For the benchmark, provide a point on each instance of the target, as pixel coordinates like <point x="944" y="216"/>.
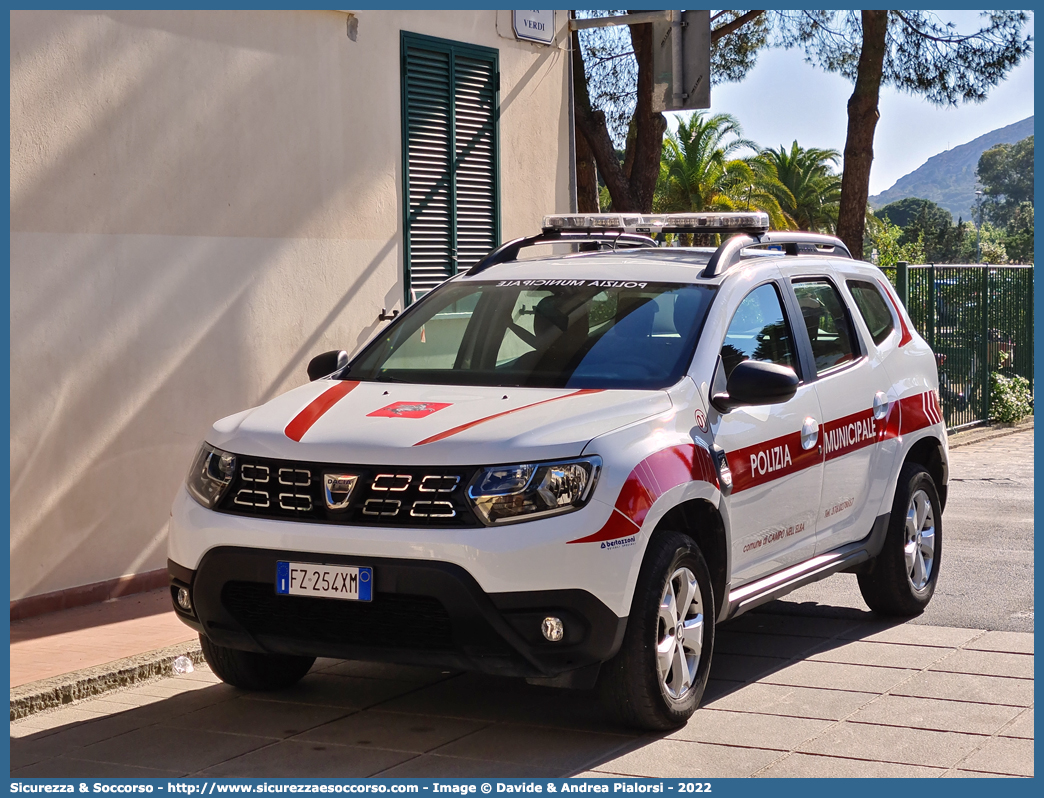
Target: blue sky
<point x="783" y="99"/>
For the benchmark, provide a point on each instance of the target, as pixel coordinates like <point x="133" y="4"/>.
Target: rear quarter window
<point x="873" y="308"/>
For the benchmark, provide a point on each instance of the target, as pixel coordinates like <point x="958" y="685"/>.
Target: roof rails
<point x="635" y="230"/>
<point x="793" y="243"/>
<point x="509" y="251"/>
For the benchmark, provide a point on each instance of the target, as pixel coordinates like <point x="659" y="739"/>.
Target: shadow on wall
<point x="172" y="261"/>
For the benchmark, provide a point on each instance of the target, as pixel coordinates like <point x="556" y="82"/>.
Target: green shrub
<point x="1009" y="398"/>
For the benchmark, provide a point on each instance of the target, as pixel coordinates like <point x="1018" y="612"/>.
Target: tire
<point x="902" y="578"/>
<point x="648" y="689"/>
<point x="252" y="671"/>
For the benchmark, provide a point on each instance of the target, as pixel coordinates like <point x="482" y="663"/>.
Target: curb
<point x="28" y="699"/>
<point x="979" y="434"/>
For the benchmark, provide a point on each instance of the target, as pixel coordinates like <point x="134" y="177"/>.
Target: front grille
<point x="391" y="620"/>
<point x="408" y="496"/>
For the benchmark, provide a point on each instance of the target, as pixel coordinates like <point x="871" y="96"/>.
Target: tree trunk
<point x="586" y="177"/>
<point x="649" y="125"/>
<point x="862" y="121"/>
<point x="592" y="127"/>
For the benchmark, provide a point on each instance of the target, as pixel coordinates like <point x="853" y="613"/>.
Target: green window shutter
<point x="449" y="101"/>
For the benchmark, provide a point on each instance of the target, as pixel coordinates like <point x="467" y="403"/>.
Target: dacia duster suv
<point x="572" y="468"/>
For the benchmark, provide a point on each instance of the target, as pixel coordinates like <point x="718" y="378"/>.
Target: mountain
<point x="948" y="178"/>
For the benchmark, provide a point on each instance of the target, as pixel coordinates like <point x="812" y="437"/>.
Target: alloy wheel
<point x="679" y="634"/>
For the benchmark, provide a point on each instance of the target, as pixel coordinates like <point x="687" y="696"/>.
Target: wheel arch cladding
<point x="699" y="520"/>
<point x="928" y="452"/>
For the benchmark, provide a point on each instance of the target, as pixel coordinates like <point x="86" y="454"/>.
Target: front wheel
<point x="659" y="675"/>
<point x="903" y="576"/>
<point x="252" y="671"/>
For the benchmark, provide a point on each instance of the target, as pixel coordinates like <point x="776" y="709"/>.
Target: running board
<point x="782" y="582"/>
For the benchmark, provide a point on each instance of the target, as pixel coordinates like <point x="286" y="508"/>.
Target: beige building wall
<point x="200" y="202"/>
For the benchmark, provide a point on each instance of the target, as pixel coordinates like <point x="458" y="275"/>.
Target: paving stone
<point x="735" y="668"/>
<point x="681" y="759"/>
<point x="802" y="626"/>
<point x="987" y="663"/>
<point x="339" y="691"/>
<point x="1011" y="642"/>
<point x="839" y="676"/>
<point x="886" y="744"/>
<point x="67" y="739"/>
<point x="1022" y="727"/>
<point x="969" y="687"/>
<point x="559" y="749"/>
<point x="400" y="732"/>
<point x="170" y="748"/>
<point x="430" y="766"/>
<point x="292" y="758"/>
<point x="277" y="719"/>
<point x="491" y="698"/>
<point x="936" y="714"/>
<point x="800" y="702"/>
<point x="1002" y="755"/>
<point x="885" y="655"/>
<point x="69" y="768"/>
<point x="746" y="729"/>
<point x="913" y="634"/>
<point x="813" y="766"/>
<point x="762" y="645"/>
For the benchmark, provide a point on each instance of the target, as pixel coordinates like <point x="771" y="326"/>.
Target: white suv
<point x="571" y="468"/>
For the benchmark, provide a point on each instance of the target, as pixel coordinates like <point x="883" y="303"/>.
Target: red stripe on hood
<point x="304" y="420"/>
<point x="443" y="435"/>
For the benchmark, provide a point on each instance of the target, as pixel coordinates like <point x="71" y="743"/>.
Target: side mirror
<point x="327" y="363"/>
<point x="754" y="382"/>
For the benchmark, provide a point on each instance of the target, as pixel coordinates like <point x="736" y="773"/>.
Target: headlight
<point x="502" y="494"/>
<point x="210" y="475"/>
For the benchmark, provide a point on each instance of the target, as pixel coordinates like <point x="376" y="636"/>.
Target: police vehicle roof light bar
<point x="750" y="223"/>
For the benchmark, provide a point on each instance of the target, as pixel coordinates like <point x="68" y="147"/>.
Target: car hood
<point x="343" y="421"/>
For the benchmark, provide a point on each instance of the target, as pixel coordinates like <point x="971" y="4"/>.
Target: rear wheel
<point x="903" y="576"/>
<point x="659" y="675"/>
<point x="253" y="671"/>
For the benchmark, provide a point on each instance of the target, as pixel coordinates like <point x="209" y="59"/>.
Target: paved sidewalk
<point x="789" y="696"/>
<point x="83" y="637"/>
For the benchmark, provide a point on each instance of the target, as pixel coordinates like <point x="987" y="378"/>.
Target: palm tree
<point x="700" y="170"/>
<point x="813" y="189"/>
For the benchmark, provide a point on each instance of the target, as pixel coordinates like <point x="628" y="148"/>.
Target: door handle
<point x="880" y="406"/>
<point x="809" y="433"/>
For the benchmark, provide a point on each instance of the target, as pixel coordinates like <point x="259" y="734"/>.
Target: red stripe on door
<point x="774" y="459"/>
<point x="443" y="435"/>
<point x="850" y="434"/>
<point x="304" y="420"/>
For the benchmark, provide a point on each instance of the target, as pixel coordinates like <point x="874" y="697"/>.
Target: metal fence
<point x="978" y="319"/>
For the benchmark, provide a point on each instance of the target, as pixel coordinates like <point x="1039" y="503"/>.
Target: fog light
<point x="552" y="628"/>
<point x="183" y="599"/>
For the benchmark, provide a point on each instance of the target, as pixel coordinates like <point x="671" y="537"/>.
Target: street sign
<point x="695" y="63"/>
<point x="534" y="26"/>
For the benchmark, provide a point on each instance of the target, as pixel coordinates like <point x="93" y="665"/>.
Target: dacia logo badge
<point x="338" y="489"/>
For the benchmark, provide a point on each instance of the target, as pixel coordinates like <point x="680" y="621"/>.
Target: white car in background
<point x="571" y="468"/>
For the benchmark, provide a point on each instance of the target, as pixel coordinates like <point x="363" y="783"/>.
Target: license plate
<point x="353" y="583"/>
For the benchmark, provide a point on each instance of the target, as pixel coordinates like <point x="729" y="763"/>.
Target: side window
<point x="873" y="308"/>
<point x="829" y="329"/>
<point x="758" y="331"/>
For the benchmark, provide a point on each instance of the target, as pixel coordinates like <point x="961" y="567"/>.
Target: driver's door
<point x="777" y="471"/>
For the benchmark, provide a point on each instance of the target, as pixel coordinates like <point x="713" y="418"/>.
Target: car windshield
<point x="542" y="333"/>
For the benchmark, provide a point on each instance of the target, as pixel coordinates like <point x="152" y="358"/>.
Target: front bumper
<point x="423" y="613"/>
